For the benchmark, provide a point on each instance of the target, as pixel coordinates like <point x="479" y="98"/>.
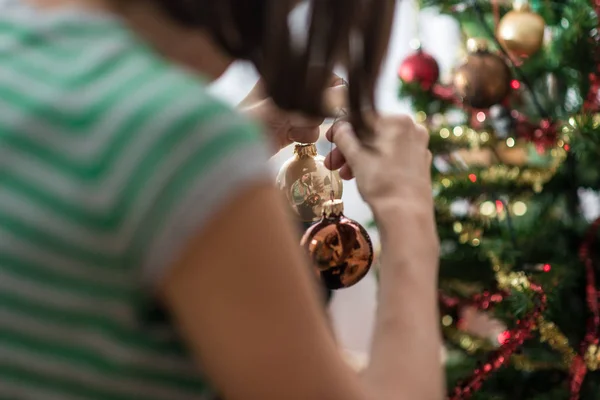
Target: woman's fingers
<point x="343" y="136"/>
<point x="346" y="172"/>
<point x="335" y="160"/>
<point x="347" y="150"/>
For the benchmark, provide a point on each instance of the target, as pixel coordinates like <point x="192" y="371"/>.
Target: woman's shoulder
<point x="88" y="68"/>
<point x="136" y="143"/>
<point x="93" y="78"/>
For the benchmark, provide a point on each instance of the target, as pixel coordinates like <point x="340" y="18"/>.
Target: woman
<point x="124" y="184"/>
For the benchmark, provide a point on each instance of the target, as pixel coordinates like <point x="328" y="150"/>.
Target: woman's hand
<point x="395" y="166"/>
<point x="392" y="170"/>
<point x="284" y="128"/>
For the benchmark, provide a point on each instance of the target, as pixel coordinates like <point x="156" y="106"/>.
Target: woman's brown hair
<point x="354" y="33"/>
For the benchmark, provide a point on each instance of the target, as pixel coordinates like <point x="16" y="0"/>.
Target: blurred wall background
<point x="352" y="309"/>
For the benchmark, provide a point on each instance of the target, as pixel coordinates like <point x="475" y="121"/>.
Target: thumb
<point x="255" y="95"/>
<point x="346" y="141"/>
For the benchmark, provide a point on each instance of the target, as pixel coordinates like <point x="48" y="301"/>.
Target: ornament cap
<point x="302" y="150"/>
<point x="521" y="5"/>
<point x="477" y="45"/>
<point x="333" y="208"/>
<point x="415" y="44"/>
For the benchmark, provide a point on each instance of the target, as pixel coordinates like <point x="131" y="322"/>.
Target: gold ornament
<point x="484" y="79"/>
<point x="521" y="31"/>
<point x="307" y="183"/>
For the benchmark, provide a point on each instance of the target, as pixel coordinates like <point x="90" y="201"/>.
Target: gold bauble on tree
<point x="521" y="31"/>
<point x="306" y="183"/>
<point x="484" y="79"/>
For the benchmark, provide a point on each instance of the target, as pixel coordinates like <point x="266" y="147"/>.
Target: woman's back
<point x="106" y="152"/>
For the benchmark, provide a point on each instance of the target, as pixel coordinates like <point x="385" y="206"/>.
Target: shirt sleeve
<point x="210" y="155"/>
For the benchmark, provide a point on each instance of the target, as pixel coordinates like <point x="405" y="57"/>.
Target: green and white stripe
<point x="110" y="159"/>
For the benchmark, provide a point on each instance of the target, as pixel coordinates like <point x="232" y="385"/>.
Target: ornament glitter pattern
<point x="306" y="183"/>
<point x="339" y="248"/>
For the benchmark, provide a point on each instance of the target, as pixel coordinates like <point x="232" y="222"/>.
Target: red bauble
<point x="421" y="68"/>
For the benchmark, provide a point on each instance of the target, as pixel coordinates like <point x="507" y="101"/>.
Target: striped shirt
<point x="110" y="159"/>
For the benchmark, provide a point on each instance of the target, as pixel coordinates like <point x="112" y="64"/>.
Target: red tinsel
<point x="592" y="335"/>
<point x="592" y="100"/>
<point x="543" y="134"/>
<point x="514" y="339"/>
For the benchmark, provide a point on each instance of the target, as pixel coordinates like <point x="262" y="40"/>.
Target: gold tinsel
<point x="552" y="335"/>
<point x="592" y="358"/>
<point x="483" y="212"/>
<point x="469" y="343"/>
<point x="526" y="176"/>
<point x="523" y="363"/>
<point x="464" y="136"/>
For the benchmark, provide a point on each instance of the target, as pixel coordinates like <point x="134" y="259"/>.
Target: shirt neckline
<point x="29" y="13"/>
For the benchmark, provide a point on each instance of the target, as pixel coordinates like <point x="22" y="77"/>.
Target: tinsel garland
<point x="588" y="357"/>
<point x="514" y="338"/>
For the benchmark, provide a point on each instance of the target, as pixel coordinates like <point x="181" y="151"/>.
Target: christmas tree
<point x="516" y="139"/>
